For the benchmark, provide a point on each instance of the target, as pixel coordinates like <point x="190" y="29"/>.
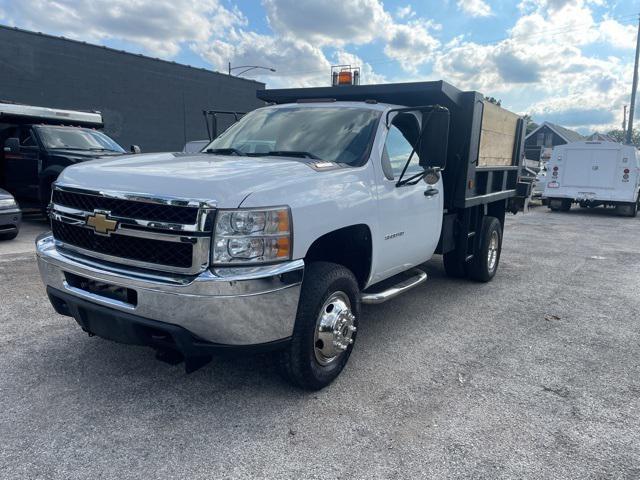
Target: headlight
<point x="252" y="236"/>
<point x="8" y="203"/>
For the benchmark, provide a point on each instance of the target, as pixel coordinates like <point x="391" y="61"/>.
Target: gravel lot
<point x="535" y="375"/>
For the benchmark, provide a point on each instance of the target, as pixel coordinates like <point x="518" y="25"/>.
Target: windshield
<point x="77" y="139"/>
<point x="335" y="134"/>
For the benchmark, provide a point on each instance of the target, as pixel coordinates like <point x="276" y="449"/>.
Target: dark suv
<point x="33" y="156"/>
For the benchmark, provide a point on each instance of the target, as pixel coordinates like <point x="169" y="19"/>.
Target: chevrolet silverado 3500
<point x="273" y="237"/>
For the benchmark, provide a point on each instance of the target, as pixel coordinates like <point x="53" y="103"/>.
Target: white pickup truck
<point x="274" y="236"/>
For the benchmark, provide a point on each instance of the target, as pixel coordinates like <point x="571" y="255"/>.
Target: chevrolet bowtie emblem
<point x="101" y="223"/>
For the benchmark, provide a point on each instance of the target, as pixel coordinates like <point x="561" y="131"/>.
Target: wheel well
<point x="498" y="210"/>
<point x="348" y="246"/>
<point x="46" y="179"/>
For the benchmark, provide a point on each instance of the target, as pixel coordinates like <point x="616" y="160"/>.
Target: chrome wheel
<point x="335" y="328"/>
<point x="492" y="254"/>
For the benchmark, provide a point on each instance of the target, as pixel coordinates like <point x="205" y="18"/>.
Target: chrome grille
<point x="126" y="208"/>
<point x="158" y="252"/>
<point x="166" y="234"/>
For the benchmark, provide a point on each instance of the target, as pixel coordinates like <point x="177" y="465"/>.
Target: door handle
<point x="430" y="192"/>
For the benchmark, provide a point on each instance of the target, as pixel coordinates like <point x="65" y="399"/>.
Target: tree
<point x="529" y="123"/>
<point x="620" y="136"/>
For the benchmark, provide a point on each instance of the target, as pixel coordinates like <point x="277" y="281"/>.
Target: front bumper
<point x="10" y="220"/>
<point x="229" y="306"/>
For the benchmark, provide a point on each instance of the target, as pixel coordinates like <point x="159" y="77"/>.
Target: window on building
<point x="548" y="139"/>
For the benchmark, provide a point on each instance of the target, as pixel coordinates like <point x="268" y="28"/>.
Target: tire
<point x="454" y="267"/>
<point x="310" y="361"/>
<point x="9" y="236"/>
<point x="555" y="205"/>
<point x="485" y="261"/>
<point x="566" y="205"/>
<point x="628" y="210"/>
<point x="560" y="204"/>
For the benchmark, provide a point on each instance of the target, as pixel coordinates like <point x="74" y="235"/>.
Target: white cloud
<point x="411" y="44"/>
<point x="618" y="35"/>
<point x="297" y="62"/>
<point x="475" y="8"/>
<point x="542" y="67"/>
<point x="405" y="12"/>
<point x="159" y="26"/>
<point x="341" y="22"/>
<point x="329" y="22"/>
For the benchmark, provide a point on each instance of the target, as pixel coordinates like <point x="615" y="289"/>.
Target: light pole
<point x="248" y="68"/>
<point x="634" y="87"/>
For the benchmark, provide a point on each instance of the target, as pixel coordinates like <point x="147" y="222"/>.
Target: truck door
<point x="22" y="168"/>
<point x="410" y="216"/>
<point x="604" y="163"/>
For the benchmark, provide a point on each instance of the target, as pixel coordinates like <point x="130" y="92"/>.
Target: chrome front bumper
<point x="229" y="306"/>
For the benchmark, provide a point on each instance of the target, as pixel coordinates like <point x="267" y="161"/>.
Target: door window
<point x="26" y="138"/>
<point x="403" y="135"/>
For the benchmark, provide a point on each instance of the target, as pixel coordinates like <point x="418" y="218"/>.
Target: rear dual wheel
<point x="325" y="328"/>
<point x="560" y="204"/>
<point x="484" y="264"/>
<point x="629" y="210"/>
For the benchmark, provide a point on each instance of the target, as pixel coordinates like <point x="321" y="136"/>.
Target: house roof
<point x="600" y="137"/>
<point x="564" y="133"/>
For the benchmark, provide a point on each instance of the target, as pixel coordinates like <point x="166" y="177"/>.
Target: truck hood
<point x="228" y="180"/>
<point x="80" y="155"/>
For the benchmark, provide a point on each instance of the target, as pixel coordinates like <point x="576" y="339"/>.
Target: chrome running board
<point x="418" y="278"/>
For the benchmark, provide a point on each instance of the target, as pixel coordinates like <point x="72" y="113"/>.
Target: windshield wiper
<point x="291" y="153"/>
<point x="70" y="148"/>
<point x="225" y="151"/>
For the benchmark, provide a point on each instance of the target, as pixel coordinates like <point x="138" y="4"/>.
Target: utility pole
<point x="632" y="107"/>
<point x="624" y="121"/>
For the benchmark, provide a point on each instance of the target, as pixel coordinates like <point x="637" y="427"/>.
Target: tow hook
<point x="191" y="363"/>
<point x="89" y="332"/>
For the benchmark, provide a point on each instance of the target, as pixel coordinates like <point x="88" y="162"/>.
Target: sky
<point x="564" y="61"/>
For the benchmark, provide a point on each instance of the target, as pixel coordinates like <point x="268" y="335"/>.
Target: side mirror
<point x="12" y="145"/>
<point x="435" y="138"/>
<point x="135" y="149"/>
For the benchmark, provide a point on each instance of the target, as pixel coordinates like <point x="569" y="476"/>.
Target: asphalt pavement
<point x="534" y="375"/>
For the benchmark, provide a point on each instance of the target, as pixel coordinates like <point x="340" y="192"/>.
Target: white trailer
<point x="593" y="174"/>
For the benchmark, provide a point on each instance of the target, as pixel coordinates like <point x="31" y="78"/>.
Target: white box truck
<point x="593" y="174"/>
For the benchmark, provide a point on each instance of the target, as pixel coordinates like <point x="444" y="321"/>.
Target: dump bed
<point x="485" y="144"/>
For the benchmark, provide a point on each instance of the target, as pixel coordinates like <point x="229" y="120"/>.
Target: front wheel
<point x="9" y="236"/>
<point x="325" y="328"/>
<point x="484" y="264"/>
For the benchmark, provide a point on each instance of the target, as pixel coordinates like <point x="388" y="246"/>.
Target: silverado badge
<point x="101" y="223"/>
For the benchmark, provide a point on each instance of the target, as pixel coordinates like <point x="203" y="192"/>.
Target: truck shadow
<point x="589" y="212"/>
<point x="88" y="367"/>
